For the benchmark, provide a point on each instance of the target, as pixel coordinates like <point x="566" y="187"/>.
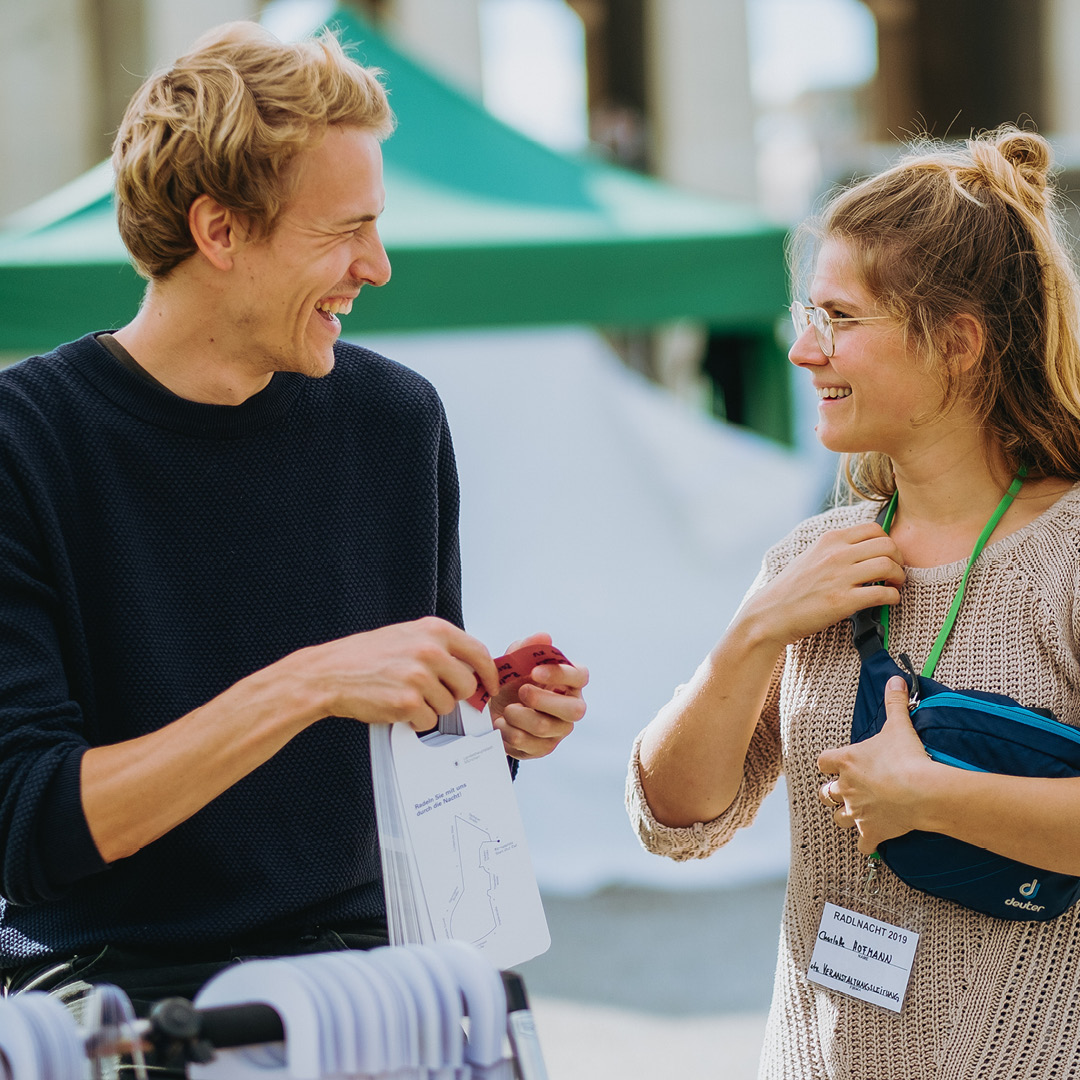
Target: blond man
<point x="232" y="545"/>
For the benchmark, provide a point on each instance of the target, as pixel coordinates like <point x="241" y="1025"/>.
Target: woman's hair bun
<point x="1027" y="152"/>
<point x="975" y="229"/>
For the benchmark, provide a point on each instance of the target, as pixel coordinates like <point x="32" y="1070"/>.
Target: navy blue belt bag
<point x="966" y="729"/>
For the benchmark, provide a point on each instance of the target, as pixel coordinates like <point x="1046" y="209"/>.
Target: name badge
<point x="863" y="957"/>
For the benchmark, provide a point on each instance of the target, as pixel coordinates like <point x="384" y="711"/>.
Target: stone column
<point x="1062" y="32"/>
<point x="700" y="121"/>
<point x="171" y="27"/>
<point x="701" y="114"/>
<point x="443" y="34"/>
<point x="48" y="105"/>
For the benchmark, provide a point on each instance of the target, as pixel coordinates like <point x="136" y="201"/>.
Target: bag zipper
<point x="947" y="759"/>
<point x="952" y="700"/>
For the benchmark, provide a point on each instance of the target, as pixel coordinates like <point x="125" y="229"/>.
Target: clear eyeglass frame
<point x="804" y="315"/>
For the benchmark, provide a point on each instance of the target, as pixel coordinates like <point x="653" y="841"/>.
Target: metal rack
<point x="272" y="1038"/>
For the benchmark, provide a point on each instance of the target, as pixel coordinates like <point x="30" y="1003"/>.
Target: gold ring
<point x="828" y="795"/>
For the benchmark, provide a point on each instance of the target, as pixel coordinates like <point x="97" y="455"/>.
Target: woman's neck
<point x="941" y="511"/>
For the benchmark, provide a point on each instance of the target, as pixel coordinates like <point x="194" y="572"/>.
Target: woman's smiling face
<point x="874" y="393"/>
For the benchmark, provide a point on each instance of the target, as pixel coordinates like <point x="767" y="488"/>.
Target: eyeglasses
<point x="803" y="315"/>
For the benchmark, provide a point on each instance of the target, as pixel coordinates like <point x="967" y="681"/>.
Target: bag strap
<point x="871" y="627"/>
<point x="885" y="520"/>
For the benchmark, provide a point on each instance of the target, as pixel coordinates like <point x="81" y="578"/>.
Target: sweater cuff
<point x="697" y="841"/>
<point x="67" y="850"/>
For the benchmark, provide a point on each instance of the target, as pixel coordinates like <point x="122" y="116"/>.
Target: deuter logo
<point x="1027" y="890"/>
<point x="1025" y="905"/>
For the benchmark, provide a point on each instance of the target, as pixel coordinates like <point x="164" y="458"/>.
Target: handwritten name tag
<point x="863" y="957"/>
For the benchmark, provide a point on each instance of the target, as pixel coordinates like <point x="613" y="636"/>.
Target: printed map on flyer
<point x="468" y="843"/>
<point x="454" y="858"/>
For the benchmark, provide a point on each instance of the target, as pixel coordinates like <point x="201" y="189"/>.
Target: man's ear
<point x="217" y="232"/>
<point x="966" y="341"/>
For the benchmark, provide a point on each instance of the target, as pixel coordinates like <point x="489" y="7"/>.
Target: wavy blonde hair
<point x="227" y="120"/>
<point x="973" y="230"/>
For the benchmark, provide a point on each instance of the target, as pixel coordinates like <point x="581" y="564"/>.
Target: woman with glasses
<point x="939" y="332"/>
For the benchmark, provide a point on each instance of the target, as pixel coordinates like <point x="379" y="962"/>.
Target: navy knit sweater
<point x="154" y="551"/>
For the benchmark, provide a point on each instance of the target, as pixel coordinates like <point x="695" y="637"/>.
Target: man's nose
<point x="373" y="267"/>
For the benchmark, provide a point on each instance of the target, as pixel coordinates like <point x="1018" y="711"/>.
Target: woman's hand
<point x="844" y="571"/>
<point x="888" y="785"/>
<point x="880" y="783"/>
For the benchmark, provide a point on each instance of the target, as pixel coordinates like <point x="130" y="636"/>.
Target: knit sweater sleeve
<point x="44" y="838"/>
<point x="761" y="770"/>
<point x="764" y="756"/>
<point x="448" y="602"/>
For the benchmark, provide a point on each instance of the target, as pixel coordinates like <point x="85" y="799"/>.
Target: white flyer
<point x="467" y="841"/>
<point x="863" y="957"/>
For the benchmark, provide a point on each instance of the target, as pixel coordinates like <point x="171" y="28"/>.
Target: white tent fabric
<point x="597" y="507"/>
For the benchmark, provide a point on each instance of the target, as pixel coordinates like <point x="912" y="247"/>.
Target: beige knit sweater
<point x="988" y="998"/>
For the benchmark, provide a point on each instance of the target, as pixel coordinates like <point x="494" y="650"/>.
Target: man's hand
<point x="881" y="782"/>
<point x="535" y="716"/>
<point x="136" y="791"/>
<point x="409" y="673"/>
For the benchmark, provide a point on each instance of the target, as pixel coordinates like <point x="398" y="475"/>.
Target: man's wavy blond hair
<point x="974" y="230"/>
<point x="227" y="120"/>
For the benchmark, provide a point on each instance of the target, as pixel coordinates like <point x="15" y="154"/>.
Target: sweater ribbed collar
<point x="151" y="402"/>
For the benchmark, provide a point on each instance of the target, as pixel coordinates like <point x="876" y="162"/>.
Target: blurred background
<point x="588" y="202"/>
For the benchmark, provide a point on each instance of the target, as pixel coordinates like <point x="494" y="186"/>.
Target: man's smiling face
<point x="324" y="248"/>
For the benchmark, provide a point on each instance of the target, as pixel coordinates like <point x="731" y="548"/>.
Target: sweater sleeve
<point x="449" y="596"/>
<point x="761" y="770"/>
<point x="449" y="599"/>
<point x="44" y="838"/>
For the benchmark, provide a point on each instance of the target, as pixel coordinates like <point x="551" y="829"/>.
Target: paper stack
<point x="454" y="857"/>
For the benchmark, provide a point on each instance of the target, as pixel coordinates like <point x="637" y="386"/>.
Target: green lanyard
<point x="946" y="629"/>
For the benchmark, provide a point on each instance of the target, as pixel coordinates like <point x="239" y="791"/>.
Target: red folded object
<point x="517" y="667"/>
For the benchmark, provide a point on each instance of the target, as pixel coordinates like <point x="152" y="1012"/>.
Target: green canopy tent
<point x="483" y="227"/>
